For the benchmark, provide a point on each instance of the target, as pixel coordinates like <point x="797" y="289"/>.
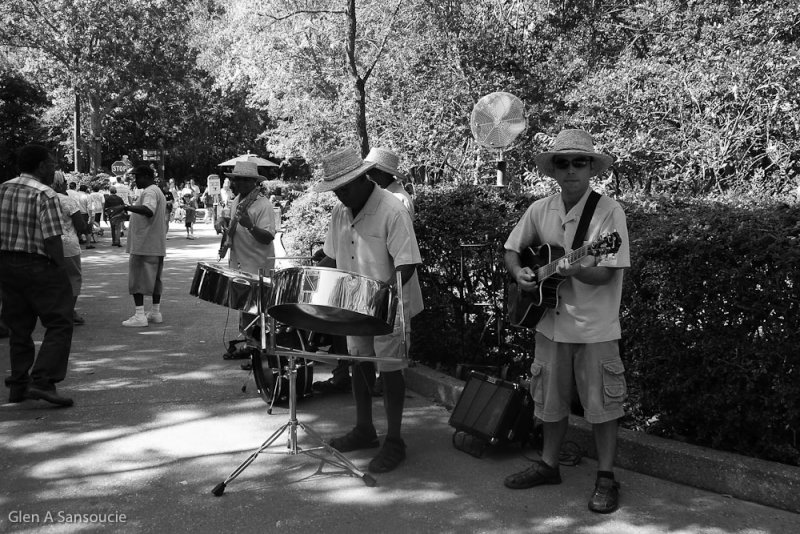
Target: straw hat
<point x="573" y="143"/>
<point x="385" y="160"/>
<point x="245" y="169"/>
<point x="340" y="168"/>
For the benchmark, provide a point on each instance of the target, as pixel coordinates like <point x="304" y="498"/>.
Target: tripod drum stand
<point x="319" y="449"/>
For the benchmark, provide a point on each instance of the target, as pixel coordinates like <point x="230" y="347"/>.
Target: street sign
<point x="119" y="167"/>
<point x="149" y="154"/>
<point x="213" y="185"/>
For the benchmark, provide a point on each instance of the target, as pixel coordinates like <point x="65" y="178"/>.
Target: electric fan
<point x="496" y="121"/>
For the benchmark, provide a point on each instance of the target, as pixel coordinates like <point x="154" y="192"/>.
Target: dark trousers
<point x="34" y="288"/>
<point x="116" y="230"/>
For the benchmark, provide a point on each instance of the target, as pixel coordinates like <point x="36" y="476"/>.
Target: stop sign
<point x="119" y="167"/>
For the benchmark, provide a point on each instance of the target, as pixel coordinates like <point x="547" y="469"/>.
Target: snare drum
<point x="237" y="290"/>
<point x="333" y="301"/>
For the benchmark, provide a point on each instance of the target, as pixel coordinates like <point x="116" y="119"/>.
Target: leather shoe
<point x="605" y="498"/>
<point x="17" y="394"/>
<point x="332" y="386"/>
<point x="47" y="395"/>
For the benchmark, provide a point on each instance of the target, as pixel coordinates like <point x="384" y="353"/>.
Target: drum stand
<point x="292" y="425"/>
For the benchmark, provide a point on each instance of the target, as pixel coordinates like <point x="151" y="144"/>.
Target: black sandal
<point x="354" y="440"/>
<point x="392" y="454"/>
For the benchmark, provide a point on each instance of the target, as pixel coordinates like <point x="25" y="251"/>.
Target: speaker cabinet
<point x="494" y="410"/>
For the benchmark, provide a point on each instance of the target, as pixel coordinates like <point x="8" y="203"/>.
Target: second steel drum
<point x="332" y="301"/>
<point x="237" y="290"/>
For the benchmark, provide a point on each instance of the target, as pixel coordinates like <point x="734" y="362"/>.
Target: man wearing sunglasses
<point x="578" y="339"/>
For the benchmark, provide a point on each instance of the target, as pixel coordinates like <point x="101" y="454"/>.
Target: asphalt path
<point x="160" y="419"/>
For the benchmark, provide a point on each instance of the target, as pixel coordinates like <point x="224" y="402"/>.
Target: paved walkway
<point x="160" y="419"/>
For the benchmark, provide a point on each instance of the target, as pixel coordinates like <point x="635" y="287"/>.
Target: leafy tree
<point x="104" y="51"/>
<point x="21" y="105"/>
<point x="309" y="63"/>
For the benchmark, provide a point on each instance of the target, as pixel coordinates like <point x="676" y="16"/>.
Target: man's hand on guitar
<point x="526" y="279"/>
<point x="565" y="269"/>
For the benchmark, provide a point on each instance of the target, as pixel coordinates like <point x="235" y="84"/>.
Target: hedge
<point x="709" y="313"/>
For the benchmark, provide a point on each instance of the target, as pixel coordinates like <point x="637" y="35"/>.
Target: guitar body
<point x="526" y="309"/>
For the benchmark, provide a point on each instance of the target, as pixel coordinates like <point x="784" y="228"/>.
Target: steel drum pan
<point x="332" y="301"/>
<point x="237" y="290"/>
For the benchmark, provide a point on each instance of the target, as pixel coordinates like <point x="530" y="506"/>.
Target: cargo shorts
<point x="599" y="376"/>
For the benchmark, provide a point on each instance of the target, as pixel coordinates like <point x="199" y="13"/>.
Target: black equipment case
<point x="494" y="410"/>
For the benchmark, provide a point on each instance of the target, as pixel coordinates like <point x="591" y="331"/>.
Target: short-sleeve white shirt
<point x="380" y="238"/>
<point x="246" y="253"/>
<point x="585" y="313"/>
<point x="69" y="239"/>
<point x="397" y="189"/>
<point x="148" y="235"/>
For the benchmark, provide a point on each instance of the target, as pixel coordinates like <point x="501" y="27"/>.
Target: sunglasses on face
<point x="577" y="163"/>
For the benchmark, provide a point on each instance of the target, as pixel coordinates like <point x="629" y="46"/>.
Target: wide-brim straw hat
<point x="340" y="168"/>
<point x="385" y="160"/>
<point x="245" y="169"/>
<point x="573" y="143"/>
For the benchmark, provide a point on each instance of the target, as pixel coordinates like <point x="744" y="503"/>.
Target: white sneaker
<point x="154" y="317"/>
<point x="135" y="321"/>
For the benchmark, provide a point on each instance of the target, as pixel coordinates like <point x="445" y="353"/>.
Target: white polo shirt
<point x="585" y="313"/>
<point x="375" y="242"/>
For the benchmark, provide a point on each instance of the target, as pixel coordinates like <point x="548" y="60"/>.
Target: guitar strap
<point x="586" y="216"/>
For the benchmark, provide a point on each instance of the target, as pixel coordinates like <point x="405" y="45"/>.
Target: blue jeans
<point x="35" y="288"/>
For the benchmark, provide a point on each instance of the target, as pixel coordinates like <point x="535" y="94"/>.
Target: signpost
<point x="213" y="185"/>
<point x="119" y="167"/>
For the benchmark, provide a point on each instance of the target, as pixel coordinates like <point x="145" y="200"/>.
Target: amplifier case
<point x="495" y="410"/>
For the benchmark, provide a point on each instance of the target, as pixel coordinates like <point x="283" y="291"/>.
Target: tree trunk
<point x="96" y="115"/>
<point x="76" y="140"/>
<point x="360" y="94"/>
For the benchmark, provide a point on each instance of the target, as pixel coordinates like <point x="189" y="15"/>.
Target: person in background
<point x="97" y="202"/>
<point x="579" y="339"/>
<point x="387" y="175"/>
<point x="74" y="224"/>
<point x="176" y="195"/>
<point x="189" y="204"/>
<point x="34" y="279"/>
<point x="147" y="246"/>
<point x="85" y="202"/>
<point x="249" y="236"/>
<point x="226" y="196"/>
<point x="211" y="202"/>
<point x="116" y="217"/>
<point x="123" y="190"/>
<point x="170" y="201"/>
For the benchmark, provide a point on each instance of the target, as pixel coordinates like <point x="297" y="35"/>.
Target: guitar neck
<point x="546" y="271"/>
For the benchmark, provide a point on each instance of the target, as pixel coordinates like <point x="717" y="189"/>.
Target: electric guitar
<point x="527" y="308"/>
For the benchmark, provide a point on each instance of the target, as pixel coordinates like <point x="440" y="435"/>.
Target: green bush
<point x="711" y="324"/>
<point x="710" y="314"/>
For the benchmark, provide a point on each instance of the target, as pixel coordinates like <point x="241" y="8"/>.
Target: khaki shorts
<point x="599" y="376"/>
<point x="144" y="274"/>
<point x="388" y="346"/>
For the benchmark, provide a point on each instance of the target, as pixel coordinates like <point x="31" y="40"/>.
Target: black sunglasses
<point x="577" y="163"/>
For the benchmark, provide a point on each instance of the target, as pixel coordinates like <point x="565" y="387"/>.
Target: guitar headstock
<point x="608" y="243"/>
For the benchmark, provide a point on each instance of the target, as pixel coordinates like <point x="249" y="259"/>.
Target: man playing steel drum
<point x="371" y="234"/>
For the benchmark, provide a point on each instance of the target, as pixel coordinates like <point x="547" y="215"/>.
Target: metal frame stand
<point x="292" y="425"/>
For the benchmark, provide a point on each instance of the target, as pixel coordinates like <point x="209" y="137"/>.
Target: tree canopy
<point x="691" y="96"/>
